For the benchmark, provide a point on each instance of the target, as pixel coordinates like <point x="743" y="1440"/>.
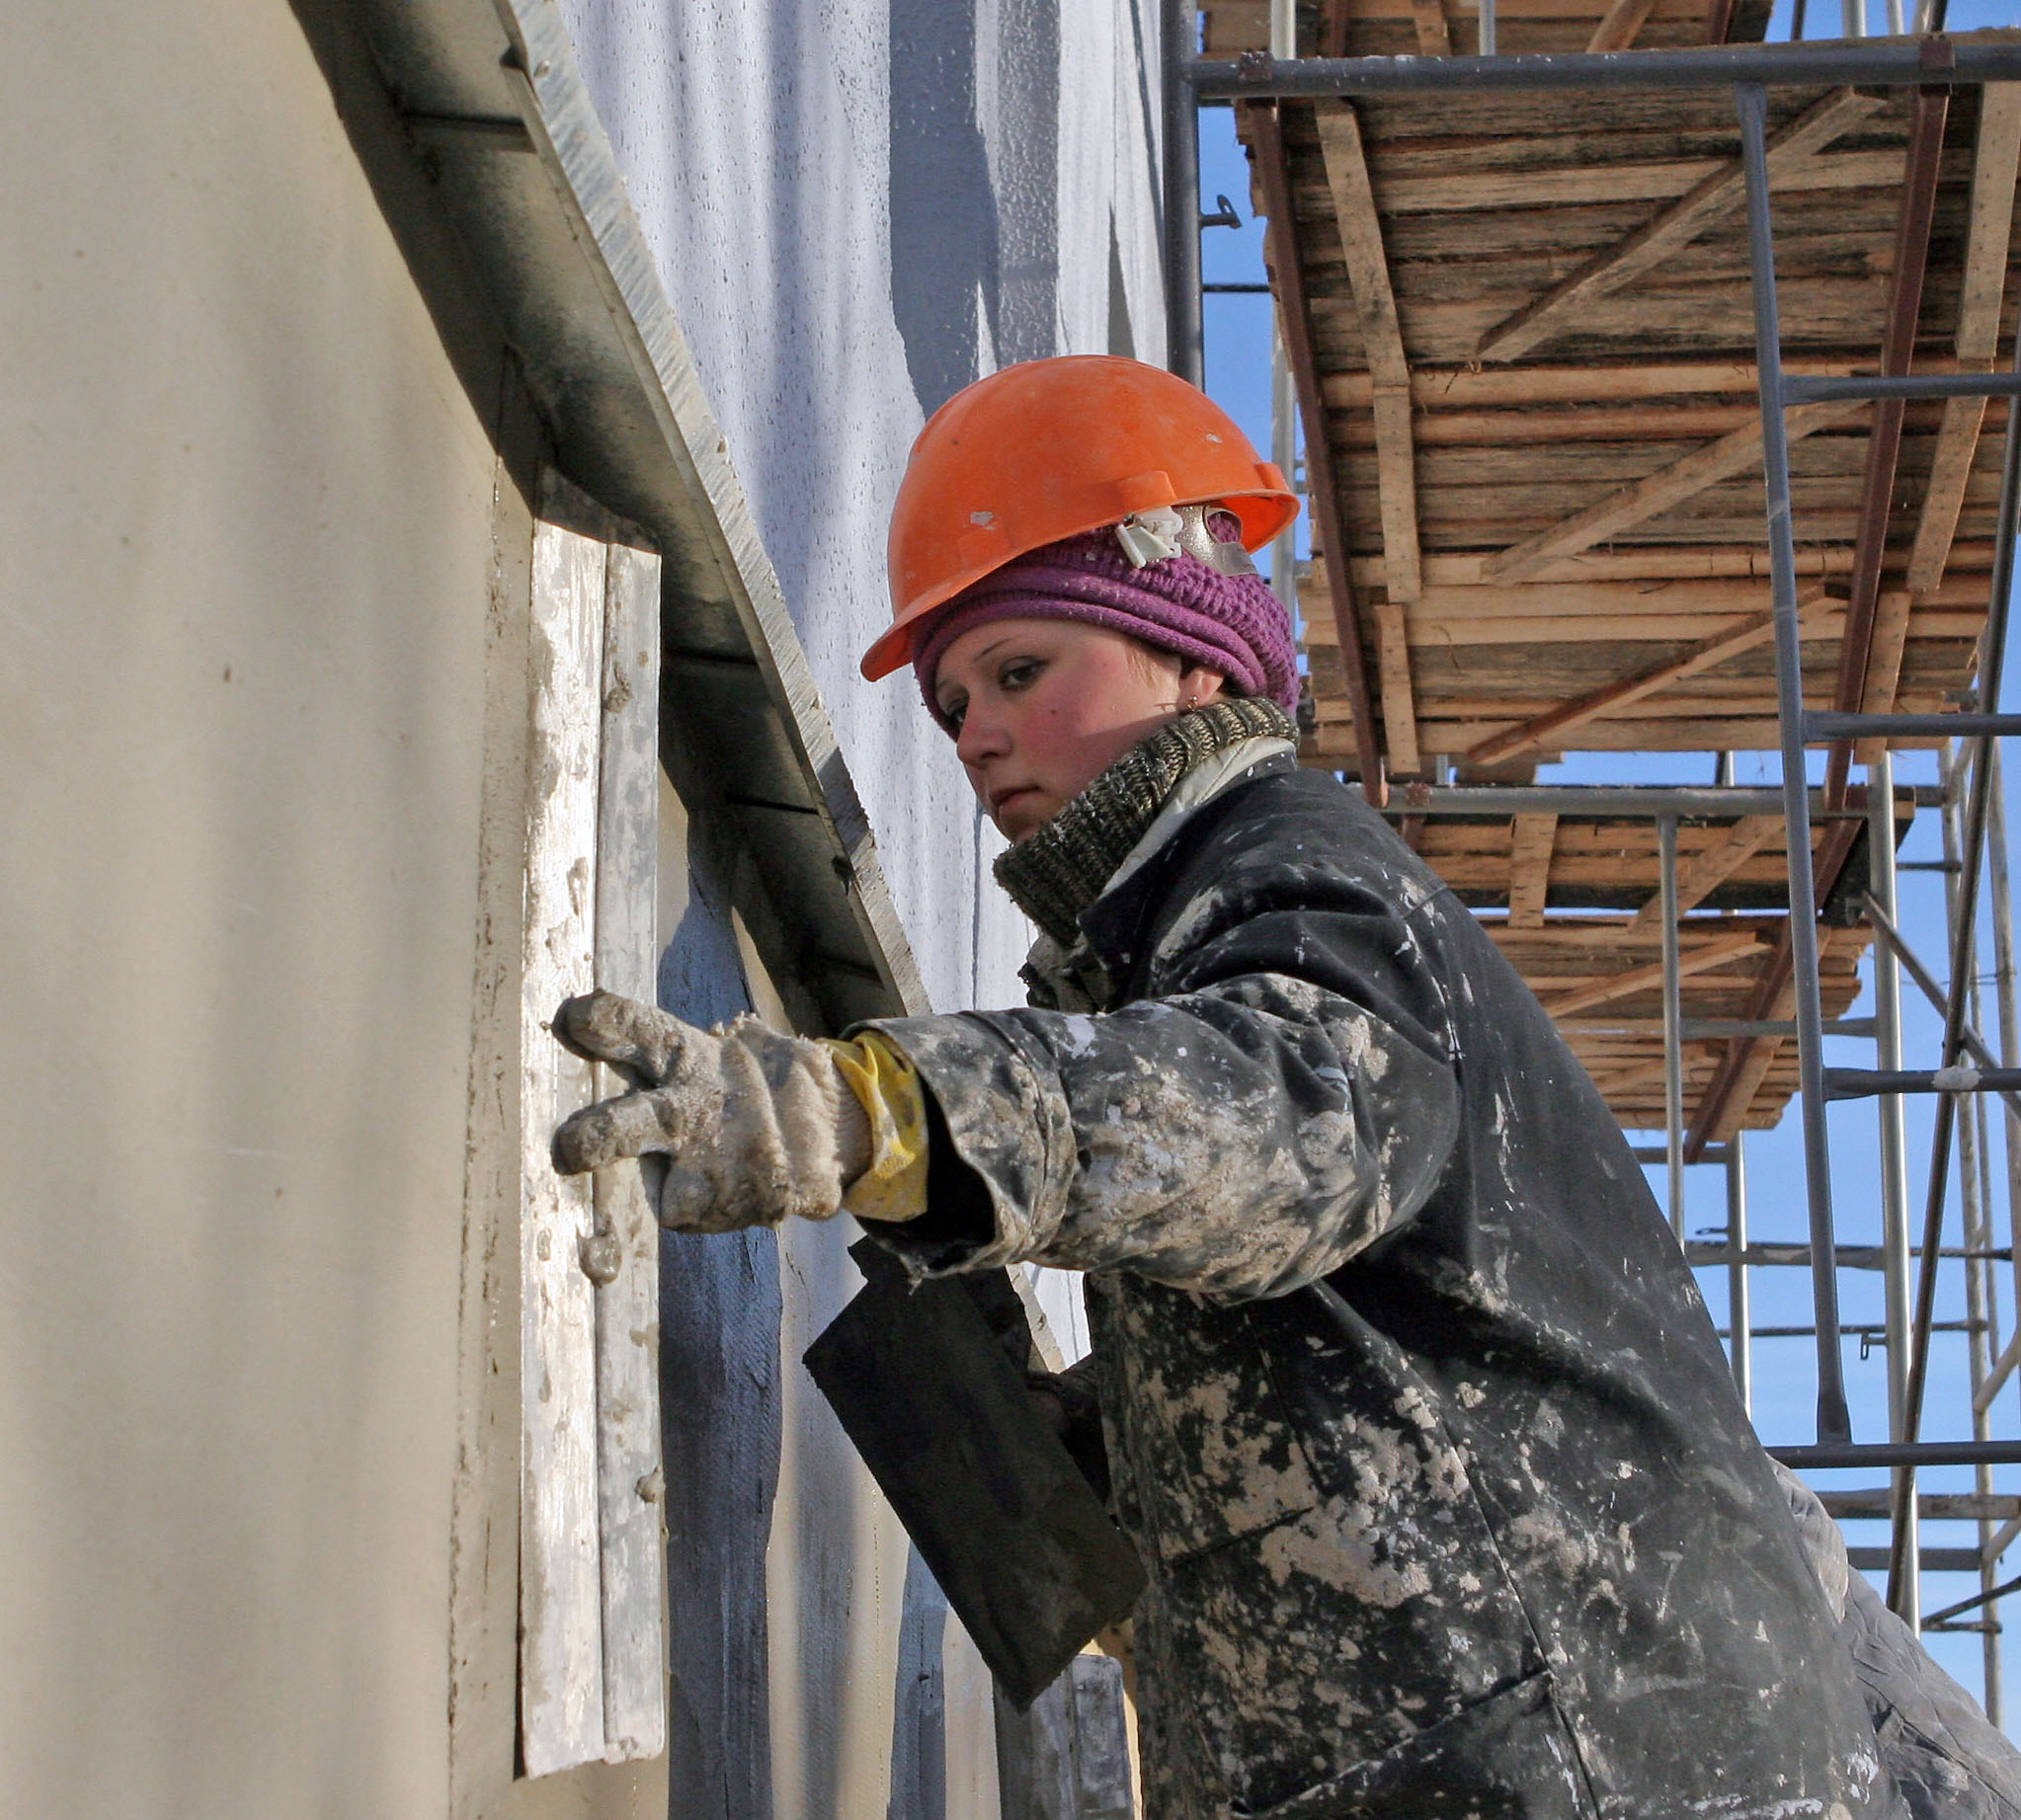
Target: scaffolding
<point x="1691" y="1035"/>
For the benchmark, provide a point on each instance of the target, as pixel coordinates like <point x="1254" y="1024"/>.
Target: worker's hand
<point x="756" y="1125"/>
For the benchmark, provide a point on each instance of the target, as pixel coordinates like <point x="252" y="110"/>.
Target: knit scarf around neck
<point x="1056" y="873"/>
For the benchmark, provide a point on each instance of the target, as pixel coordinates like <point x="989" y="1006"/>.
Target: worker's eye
<point x="954" y="712"/>
<point x="1019" y="674"/>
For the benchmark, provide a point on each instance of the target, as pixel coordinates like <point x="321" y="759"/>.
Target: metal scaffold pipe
<point x="1964" y="948"/>
<point x="1739" y="1301"/>
<point x="1871" y="65"/>
<point x="1834" y="1421"/>
<point x="1881" y="844"/>
<point x="1673" y="1027"/>
<point x="1679" y="800"/>
<point x="1183" y="328"/>
<point x="1283" y="392"/>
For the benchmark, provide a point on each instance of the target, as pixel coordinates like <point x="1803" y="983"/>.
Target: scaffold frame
<point x="1971" y="1068"/>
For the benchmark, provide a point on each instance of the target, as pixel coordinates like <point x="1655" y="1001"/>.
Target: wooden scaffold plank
<point x="1435" y="36"/>
<point x="1375" y="304"/>
<point x="1981" y="298"/>
<point x="1498" y="388"/>
<point x="1261" y="127"/>
<point x="1712" y="868"/>
<point x="1531" y="838"/>
<point x="1702" y="208"/>
<point x="1543" y="730"/>
<point x="1915" y="217"/>
<point x="1668" y="486"/>
<point x="1661" y="180"/>
<point x="1980" y="295"/>
<point x="1719" y="952"/>
<point x="1619" y="25"/>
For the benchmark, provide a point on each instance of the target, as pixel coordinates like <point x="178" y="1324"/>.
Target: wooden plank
<point x="1682" y="733"/>
<point x="1944" y="488"/>
<point x="1434" y="37"/>
<point x="1360" y="10"/>
<point x="1502" y="430"/>
<point x="1534" y="735"/>
<point x="1260" y="126"/>
<point x="1892" y="614"/>
<point x="1396" y="471"/>
<point x="1908" y="266"/>
<point x="1823" y="226"/>
<point x="1591" y="878"/>
<point x="626" y="1252"/>
<point x="1717" y="953"/>
<point x="1606" y="931"/>
<point x="1375" y="303"/>
<point x="1712" y="868"/>
<point x="1618" y="27"/>
<point x="1673" y="307"/>
<point x="1700" y="209"/>
<point x="1667" y="563"/>
<point x="1531" y="839"/>
<point x="1650" y="719"/>
<point x="1435" y="633"/>
<point x="1617" y="1081"/>
<point x="1660" y="181"/>
<point x="561" y="1654"/>
<point x="1979" y="302"/>
<point x="1749" y="1081"/>
<point x="1469" y="487"/>
<point x="1603" y="382"/>
<point x="1399" y="700"/>
<point x="1634" y="505"/>
<point x="1690" y="597"/>
<point x="1996" y="164"/>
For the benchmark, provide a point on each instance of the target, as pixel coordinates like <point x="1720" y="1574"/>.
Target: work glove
<point x="756" y="1125"/>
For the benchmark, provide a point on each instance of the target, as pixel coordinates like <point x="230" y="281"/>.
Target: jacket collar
<point x="1085" y="974"/>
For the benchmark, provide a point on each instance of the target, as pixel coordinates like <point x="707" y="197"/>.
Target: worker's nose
<point x="983" y="737"/>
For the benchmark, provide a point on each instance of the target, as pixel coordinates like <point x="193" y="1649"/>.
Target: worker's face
<point x="1045" y="706"/>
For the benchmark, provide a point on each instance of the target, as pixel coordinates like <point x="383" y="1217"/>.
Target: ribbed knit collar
<point x="1056" y="873"/>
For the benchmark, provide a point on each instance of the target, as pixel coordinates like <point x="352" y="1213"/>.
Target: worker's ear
<point x="1198" y="685"/>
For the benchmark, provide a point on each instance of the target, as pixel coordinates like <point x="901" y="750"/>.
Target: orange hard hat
<point x="1048" y="449"/>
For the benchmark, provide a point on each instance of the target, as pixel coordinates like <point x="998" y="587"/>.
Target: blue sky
<point x="1238" y="365"/>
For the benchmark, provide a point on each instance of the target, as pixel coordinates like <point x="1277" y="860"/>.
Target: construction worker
<point x="1409" y="1402"/>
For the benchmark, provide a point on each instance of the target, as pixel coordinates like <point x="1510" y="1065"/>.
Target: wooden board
<point x="1624" y="445"/>
<point x="1400" y="27"/>
<point x="592" y="1544"/>
<point x="1543" y="306"/>
<point x="631" y="1487"/>
<point x="561" y="1652"/>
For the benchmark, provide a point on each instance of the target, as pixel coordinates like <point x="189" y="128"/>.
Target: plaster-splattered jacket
<point x="1412" y="1407"/>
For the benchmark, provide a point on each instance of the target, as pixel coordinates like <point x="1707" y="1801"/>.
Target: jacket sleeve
<point x="1285" y="1102"/>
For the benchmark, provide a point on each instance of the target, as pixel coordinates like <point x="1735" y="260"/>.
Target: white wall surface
<point x="858" y="206"/>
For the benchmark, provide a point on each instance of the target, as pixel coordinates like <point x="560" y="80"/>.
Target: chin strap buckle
<point x="1161" y="532"/>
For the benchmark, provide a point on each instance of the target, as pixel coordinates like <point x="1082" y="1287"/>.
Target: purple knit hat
<point x="1230" y="623"/>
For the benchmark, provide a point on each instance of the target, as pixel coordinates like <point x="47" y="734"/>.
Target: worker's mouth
<point x="1000" y="800"/>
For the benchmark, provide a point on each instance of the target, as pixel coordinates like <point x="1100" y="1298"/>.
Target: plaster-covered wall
<point x="251" y="576"/>
<point x="246" y="562"/>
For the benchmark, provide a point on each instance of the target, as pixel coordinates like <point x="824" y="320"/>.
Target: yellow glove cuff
<point x="887" y="1087"/>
